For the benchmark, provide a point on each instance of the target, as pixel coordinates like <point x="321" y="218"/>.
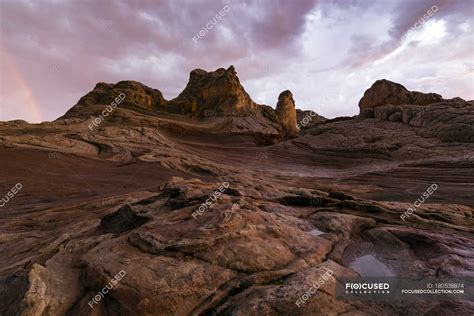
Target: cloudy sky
<point x="326" y="52"/>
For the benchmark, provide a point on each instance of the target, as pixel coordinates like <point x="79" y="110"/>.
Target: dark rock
<point x="340" y="196"/>
<point x="308" y="119"/>
<point x="420" y="98"/>
<point x="122" y="220"/>
<point x="302" y="200"/>
<point x="395" y="117"/>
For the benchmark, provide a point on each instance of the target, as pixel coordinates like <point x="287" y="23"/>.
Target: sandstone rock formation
<point x="216" y="93"/>
<point x="137" y="95"/>
<point x="384" y="92"/>
<point x="449" y="120"/>
<point x="286" y="112"/>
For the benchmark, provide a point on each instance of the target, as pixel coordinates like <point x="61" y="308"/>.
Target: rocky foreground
<point x="212" y="204"/>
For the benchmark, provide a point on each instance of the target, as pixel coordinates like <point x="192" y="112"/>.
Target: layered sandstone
<point x="215" y="93"/>
<point x="216" y="96"/>
<point x="433" y="116"/>
<point x="137" y="96"/>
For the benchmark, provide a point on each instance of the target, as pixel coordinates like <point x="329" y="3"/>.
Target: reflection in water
<point x="369" y="266"/>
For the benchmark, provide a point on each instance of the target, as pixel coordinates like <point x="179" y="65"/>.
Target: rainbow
<point x="29" y="98"/>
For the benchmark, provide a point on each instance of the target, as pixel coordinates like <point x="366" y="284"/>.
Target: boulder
<point x="384" y="92"/>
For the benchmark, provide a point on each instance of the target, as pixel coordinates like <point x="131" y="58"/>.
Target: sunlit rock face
<point x="140" y="95"/>
<point x="135" y="95"/>
<point x="215" y="93"/>
<point x="286" y="112"/>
